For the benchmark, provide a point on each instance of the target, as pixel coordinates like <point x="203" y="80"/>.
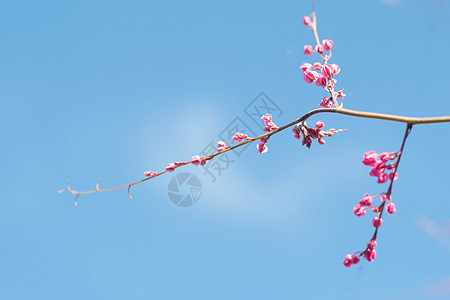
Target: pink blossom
<point x="385" y="156"/>
<point x="390" y="208"/>
<point x="385" y="197"/>
<point x="335" y="68"/>
<point x="376" y="222"/>
<point x="307" y="21"/>
<point x="310" y="76"/>
<point x="269" y="125"/>
<point x="307" y="50"/>
<point x="317" y="66"/>
<point x="261" y="146"/>
<point x="267" y="118"/>
<point x="321" y="81"/>
<point x="327" y="45"/>
<point x="366" y="200"/>
<point x="306" y="141"/>
<point x="359" y="210"/>
<point x="149" y="173"/>
<point x="371" y="244"/>
<point x="370" y="254"/>
<point x="319" y="48"/>
<point x="297" y="132"/>
<point x="382" y="177"/>
<point x="319" y="125"/>
<point x="239" y="137"/>
<point x="376" y="209"/>
<point x="170" y="167"/>
<point x="370" y="158"/>
<point x="222" y="146"/>
<point x="326" y="102"/>
<point x="327" y="70"/>
<point x="348" y="261"/>
<point x="195" y="160"/>
<point x="340" y="94"/>
<point x="391" y="175"/>
<point x="305" y="66"/>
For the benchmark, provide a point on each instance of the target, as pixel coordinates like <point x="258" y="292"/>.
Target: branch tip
<point x="129" y="195"/>
<point x="96" y="186"/>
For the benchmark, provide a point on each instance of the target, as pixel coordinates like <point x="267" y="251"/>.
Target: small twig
<point x="129" y="195"/>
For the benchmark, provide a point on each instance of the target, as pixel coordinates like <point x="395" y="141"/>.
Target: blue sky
<point x="110" y="89"/>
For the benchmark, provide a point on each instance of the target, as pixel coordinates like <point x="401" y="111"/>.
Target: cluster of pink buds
<point x="150" y="174"/>
<point x="269" y="126"/>
<point x="239" y="137"/>
<point x="222" y="146"/>
<point x="378" y="162"/>
<point x="369" y="254"/>
<point x="197" y="160"/>
<point x="325" y="78"/>
<point x="366" y="204"/>
<point x="379" y="165"/>
<point x="310" y="134"/>
<point x="172" y="166"/>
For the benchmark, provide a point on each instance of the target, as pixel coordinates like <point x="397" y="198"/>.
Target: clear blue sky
<point x="110" y="89"/>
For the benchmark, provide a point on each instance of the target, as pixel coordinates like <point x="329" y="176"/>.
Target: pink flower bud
<point x="319" y="125"/>
<point x="262" y="148"/>
<point x="317" y="66"/>
<point x="366" y="200"/>
<point x="203" y="162"/>
<point x="370" y="254"/>
<point x="307" y="21"/>
<point x="376" y="222"/>
<point x="340" y="94"/>
<point x="359" y="210"/>
<point x="149" y="173"/>
<point x="305" y="66"/>
<point x="321" y="81"/>
<point x="310" y="76"/>
<point x="170" y="167"/>
<point x="390" y="208"/>
<point x="391" y="175"/>
<point x="267" y="118"/>
<point x="371" y="244"/>
<point x="307" y="50"/>
<point x="355" y="259"/>
<point x="376" y="209"/>
<point x="385" y="197"/>
<point x="297" y="132"/>
<point x="326" y="102"/>
<point x="327" y="45"/>
<point x="370" y="158"/>
<point x="321" y="141"/>
<point x="221" y="146"/>
<point x="195" y="160"/>
<point x="327" y="70"/>
<point x="319" y="48"/>
<point x="239" y="137"/>
<point x="335" y="68"/>
<point x="382" y="177"/>
<point x="348" y="261"/>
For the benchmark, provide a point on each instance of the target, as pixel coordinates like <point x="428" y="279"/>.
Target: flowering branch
<point x="342" y="111"/>
<point x="325" y="80"/>
<point x="378" y="163"/>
